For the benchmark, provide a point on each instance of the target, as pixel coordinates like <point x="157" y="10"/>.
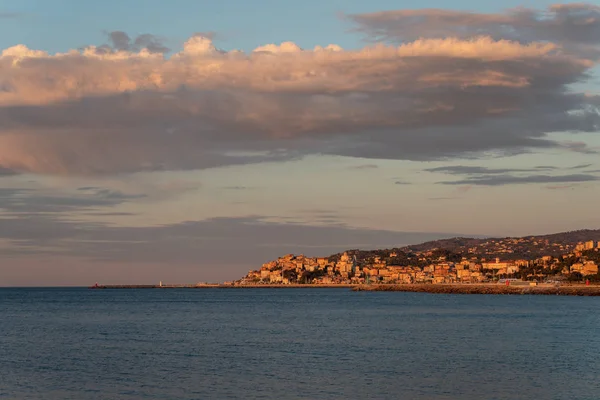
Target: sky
<point x="191" y="141"/>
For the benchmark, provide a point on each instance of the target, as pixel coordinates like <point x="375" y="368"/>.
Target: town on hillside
<point x="488" y="261"/>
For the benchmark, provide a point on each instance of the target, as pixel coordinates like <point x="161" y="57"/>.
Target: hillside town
<point x="574" y="263"/>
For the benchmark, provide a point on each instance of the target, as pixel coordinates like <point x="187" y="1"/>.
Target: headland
<point x="559" y="264"/>
<point x="552" y="259"/>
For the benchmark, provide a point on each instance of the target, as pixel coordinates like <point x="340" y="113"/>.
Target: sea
<point x="76" y="343"/>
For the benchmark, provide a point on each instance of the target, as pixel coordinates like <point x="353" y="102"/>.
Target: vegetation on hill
<point x="508" y="248"/>
<point x="572" y="237"/>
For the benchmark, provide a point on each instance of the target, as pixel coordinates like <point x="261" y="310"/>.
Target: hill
<point x="509" y="248"/>
<point x="566" y="256"/>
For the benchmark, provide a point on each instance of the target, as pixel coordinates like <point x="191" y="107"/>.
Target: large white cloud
<point x="124" y="107"/>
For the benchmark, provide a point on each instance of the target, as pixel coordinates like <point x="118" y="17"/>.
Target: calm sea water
<point x="295" y="344"/>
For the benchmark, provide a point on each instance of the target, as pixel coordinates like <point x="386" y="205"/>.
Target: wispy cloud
<point x="206" y="241"/>
<point x="111" y="214"/>
<point x="364" y="166"/>
<point x="31" y="201"/>
<point x="581" y="166"/>
<point x="467" y="170"/>
<point x="211" y="35"/>
<point x="481" y="171"/>
<point x="6" y="172"/>
<point x="578" y="147"/>
<point x="560" y="187"/>
<point x="500" y="180"/>
<point x="573" y="24"/>
<point x="121" y="42"/>
<point x="111" y="194"/>
<point x="441" y="198"/>
<point x="237" y="187"/>
<point x="7" y="15"/>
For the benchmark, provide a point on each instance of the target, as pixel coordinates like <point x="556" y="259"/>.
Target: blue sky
<point x="197" y="165"/>
<point x="60" y="25"/>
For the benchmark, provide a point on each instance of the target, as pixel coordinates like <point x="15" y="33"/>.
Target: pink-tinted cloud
<point x="126" y="107"/>
<point x="574" y="23"/>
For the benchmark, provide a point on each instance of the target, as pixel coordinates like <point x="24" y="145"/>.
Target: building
<point x="502" y="267"/>
<point x="589" y="268"/>
<point x="589" y="245"/>
<point x="347" y="265"/>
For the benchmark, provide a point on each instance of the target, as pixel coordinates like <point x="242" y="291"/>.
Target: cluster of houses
<point x="589" y="245"/>
<point x="292" y="269"/>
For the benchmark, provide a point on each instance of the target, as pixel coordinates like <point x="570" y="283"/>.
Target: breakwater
<point x="222" y="286"/>
<point x="563" y="290"/>
<point x="177" y="286"/>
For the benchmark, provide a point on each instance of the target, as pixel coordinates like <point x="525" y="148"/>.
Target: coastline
<point x="482" y="288"/>
<point x="494" y="289"/>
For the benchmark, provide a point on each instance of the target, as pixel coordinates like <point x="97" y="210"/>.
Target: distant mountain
<point x="527" y="247"/>
<point x="456" y="244"/>
<point x="572" y="237"/>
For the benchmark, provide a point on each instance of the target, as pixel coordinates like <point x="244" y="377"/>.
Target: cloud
<point x="211" y="35"/>
<point x="321" y="217"/>
<point x="40" y="225"/>
<point x="501" y="180"/>
<point x="111" y="214"/>
<point x="478" y="170"/>
<point x="29" y="201"/>
<point x="364" y="166"/>
<point x="237" y="188"/>
<point x="560" y="187"/>
<point x="319" y="212"/>
<point x="441" y="198"/>
<point x="7" y="15"/>
<point x="6" y="172"/>
<point x="578" y="147"/>
<point x="467" y="170"/>
<point x="581" y="166"/>
<point x="574" y="23"/>
<point x="121" y="42"/>
<point x="127" y="107"/>
<point x="111" y="194"/>
<point x="402" y="183"/>
<point x="205" y="243"/>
